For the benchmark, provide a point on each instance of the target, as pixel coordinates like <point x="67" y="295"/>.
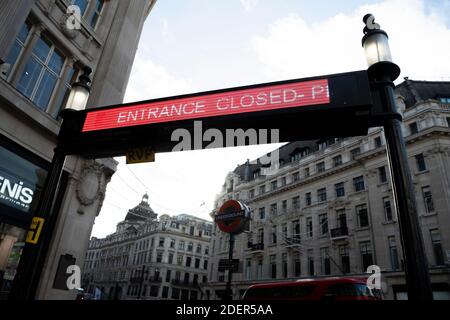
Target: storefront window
<point x="11" y="244"/>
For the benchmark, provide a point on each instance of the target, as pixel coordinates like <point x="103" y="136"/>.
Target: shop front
<point x="22" y="175"/>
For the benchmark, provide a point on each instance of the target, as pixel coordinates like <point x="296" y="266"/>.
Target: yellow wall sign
<point x="35" y="230"/>
<point x="140" y="155"/>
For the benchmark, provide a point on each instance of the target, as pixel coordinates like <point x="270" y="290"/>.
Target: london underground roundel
<point x="233" y="217"/>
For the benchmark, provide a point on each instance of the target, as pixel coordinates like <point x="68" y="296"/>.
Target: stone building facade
<point x="149" y="258"/>
<point x="40" y="56"/>
<point x="328" y="209"/>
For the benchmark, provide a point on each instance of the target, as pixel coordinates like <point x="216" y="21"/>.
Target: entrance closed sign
<point x="272" y="97"/>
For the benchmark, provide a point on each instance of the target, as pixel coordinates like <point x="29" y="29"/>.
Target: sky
<point x="190" y="46"/>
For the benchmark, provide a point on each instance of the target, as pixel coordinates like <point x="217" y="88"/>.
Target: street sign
<point x="140" y="155"/>
<point x="329" y="106"/>
<point x="233" y="217"/>
<point x="227" y="264"/>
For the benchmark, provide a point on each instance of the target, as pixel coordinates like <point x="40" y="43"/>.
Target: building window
<point x="262" y="189"/>
<point x="197" y="263"/>
<point x="284" y="265"/>
<point x="273" y="209"/>
<point x="172" y="243"/>
<point x="355" y="152"/>
<point x="296" y="229"/>
<point x="340" y="189"/>
<point x="382" y="174"/>
<point x="259" y="268"/>
<point x="296" y="202"/>
<point x="308" y="199"/>
<point x="188" y="261"/>
<point x="261" y="236"/>
<point x="262" y="213"/>
<point x="206" y="250"/>
<point x="284" y="229"/>
<point x="274" y="234"/>
<point x="387" y="209"/>
<point x="159" y="256"/>
<point x="366" y="254"/>
<point x="448" y="121"/>
<point x="337" y="161"/>
<point x="320" y="167"/>
<point x="205" y="264"/>
<point x="179" y="259"/>
<point x="358" y="183"/>
<point x="18" y="46"/>
<point x="198" y="248"/>
<point x="297" y="265"/>
<point x="284" y="206"/>
<point x="420" y="162"/>
<point x="309" y="227"/>
<point x="283" y="181"/>
<point x="345" y="258"/>
<point x="322" y="195"/>
<point x="97" y="13"/>
<point x="181" y="245"/>
<point x="273" y="185"/>
<point x="161" y="242"/>
<point x="273" y="266"/>
<point x="377" y="142"/>
<point x="307" y="172"/>
<point x="251" y="194"/>
<point x="413" y="128"/>
<point x="325" y="261"/>
<point x="165" y="292"/>
<point x="41" y="73"/>
<point x="175" y="293"/>
<point x="295" y="176"/>
<point x="323" y="222"/>
<point x="437" y="247"/>
<point x="428" y="199"/>
<point x="248" y="269"/>
<point x="363" y="216"/>
<point x="168" y="275"/>
<point x="170" y="258"/>
<point x="393" y="253"/>
<point x="190" y="246"/>
<point x="310" y="262"/>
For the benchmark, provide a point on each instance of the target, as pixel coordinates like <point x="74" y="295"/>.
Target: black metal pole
<point x="229" y="293"/>
<point x="416" y="264"/>
<point x="33" y="255"/>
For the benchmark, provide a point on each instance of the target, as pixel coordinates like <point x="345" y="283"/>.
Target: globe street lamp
<point x="382" y="72"/>
<point x="44" y="220"/>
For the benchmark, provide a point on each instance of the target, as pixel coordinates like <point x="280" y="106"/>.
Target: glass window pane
<point x="82" y="4"/>
<point x="24" y="31"/>
<point x="45" y="90"/>
<point x="56" y="62"/>
<point x="29" y="77"/>
<point x="42" y="49"/>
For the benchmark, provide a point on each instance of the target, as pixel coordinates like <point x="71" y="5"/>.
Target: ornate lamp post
<point x="44" y="221"/>
<point x="382" y="72"/>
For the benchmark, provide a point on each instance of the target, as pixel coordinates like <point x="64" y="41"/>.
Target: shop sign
<point x="15" y="192"/>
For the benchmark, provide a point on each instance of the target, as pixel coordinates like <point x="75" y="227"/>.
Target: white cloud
<point x="149" y="80"/>
<point x="419" y="40"/>
<point x="249" y="4"/>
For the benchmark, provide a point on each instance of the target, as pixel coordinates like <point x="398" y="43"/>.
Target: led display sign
<point x="263" y="98"/>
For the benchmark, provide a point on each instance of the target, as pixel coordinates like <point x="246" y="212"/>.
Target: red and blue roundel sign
<point x="233" y="217"/>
